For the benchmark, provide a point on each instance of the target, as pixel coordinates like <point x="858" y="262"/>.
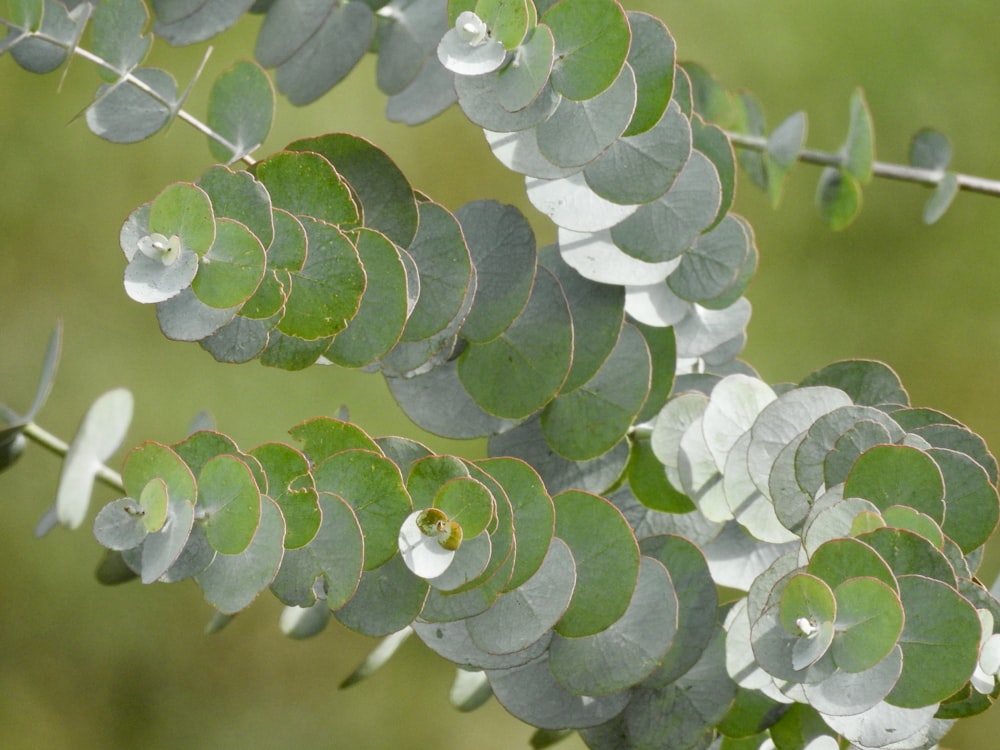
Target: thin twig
<point x="928" y="177"/>
<point x="59" y="447"/>
<point x="145" y="88"/>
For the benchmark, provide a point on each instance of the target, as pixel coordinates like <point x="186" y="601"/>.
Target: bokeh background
<point x="84" y="666"/>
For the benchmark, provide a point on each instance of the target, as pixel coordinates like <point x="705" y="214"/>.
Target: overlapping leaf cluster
<point x="552" y="598"/>
<point x="854" y="522"/>
<point x="590" y="106"/>
<point x="864" y="520"/>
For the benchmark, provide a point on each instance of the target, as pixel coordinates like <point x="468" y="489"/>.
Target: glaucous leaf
<point x="231" y="582"/>
<point x="315" y="57"/>
<point x="496" y="374"/>
<point x="577" y="132"/>
<point x="930" y="149"/>
<point x="502" y="247"/>
<point x="642" y="167"/>
<point x="240" y="109"/>
<point x="124" y="113"/>
<point x="573" y="205"/>
<point x="101" y="432"/>
<point x="479" y="98"/>
<point x="447" y="275"/>
<point x="521" y="82"/>
<point x="116" y="29"/>
<point x="373" y="613"/>
<point x="189" y="22"/>
<point x="661" y="230"/>
<point x="941" y="198"/>
<point x="531" y="693"/>
<point x="590" y="420"/>
<point x="630" y="649"/>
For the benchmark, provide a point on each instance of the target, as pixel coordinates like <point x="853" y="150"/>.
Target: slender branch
<point x="59" y="447"/>
<point x="145" y="88"/>
<point x="929" y="177"/>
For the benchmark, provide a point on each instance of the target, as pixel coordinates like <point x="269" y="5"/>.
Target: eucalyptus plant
<point x="662" y="550"/>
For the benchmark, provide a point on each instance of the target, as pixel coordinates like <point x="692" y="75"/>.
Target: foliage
<point x="637" y="467"/>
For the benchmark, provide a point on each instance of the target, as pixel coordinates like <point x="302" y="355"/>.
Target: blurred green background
<point x="83" y="666"/>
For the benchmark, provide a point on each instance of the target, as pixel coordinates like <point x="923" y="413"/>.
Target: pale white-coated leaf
<point x="702" y="330"/>
<point x="596" y="257"/>
<point x="102" y="431"/>
<point x="304" y="622"/>
<point x="735" y="403"/>
<point x="571" y="204"/>
<point x="655" y="304"/>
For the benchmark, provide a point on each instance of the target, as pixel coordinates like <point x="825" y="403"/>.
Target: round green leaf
<point x="467" y="503"/>
<point x="387" y="203"/>
<point x="652" y="55"/>
<point x="306" y="184"/>
<point x="372" y="486"/>
<point x="289" y="485"/>
<point x="327" y="292"/>
<point x="838" y="560"/>
<point x="230" y="272"/>
<point x="237" y="195"/>
<point x="184" y="210"/>
<point x="869" y="622"/>
<point x="590" y="420"/>
<point x="898" y="475"/>
<point x="838" y="198"/>
<point x="154" y="460"/>
<point x="381" y="317"/>
<point x="972" y="509"/>
<point x="232" y="581"/>
<point x="591" y="43"/>
<point x="521" y="370"/>
<point x="231" y="502"/>
<point x="607" y="562"/>
<point x="532" y="511"/>
<point x="940" y="642"/>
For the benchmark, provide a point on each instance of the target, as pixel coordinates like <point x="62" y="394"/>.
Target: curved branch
<point x="888" y="170"/>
